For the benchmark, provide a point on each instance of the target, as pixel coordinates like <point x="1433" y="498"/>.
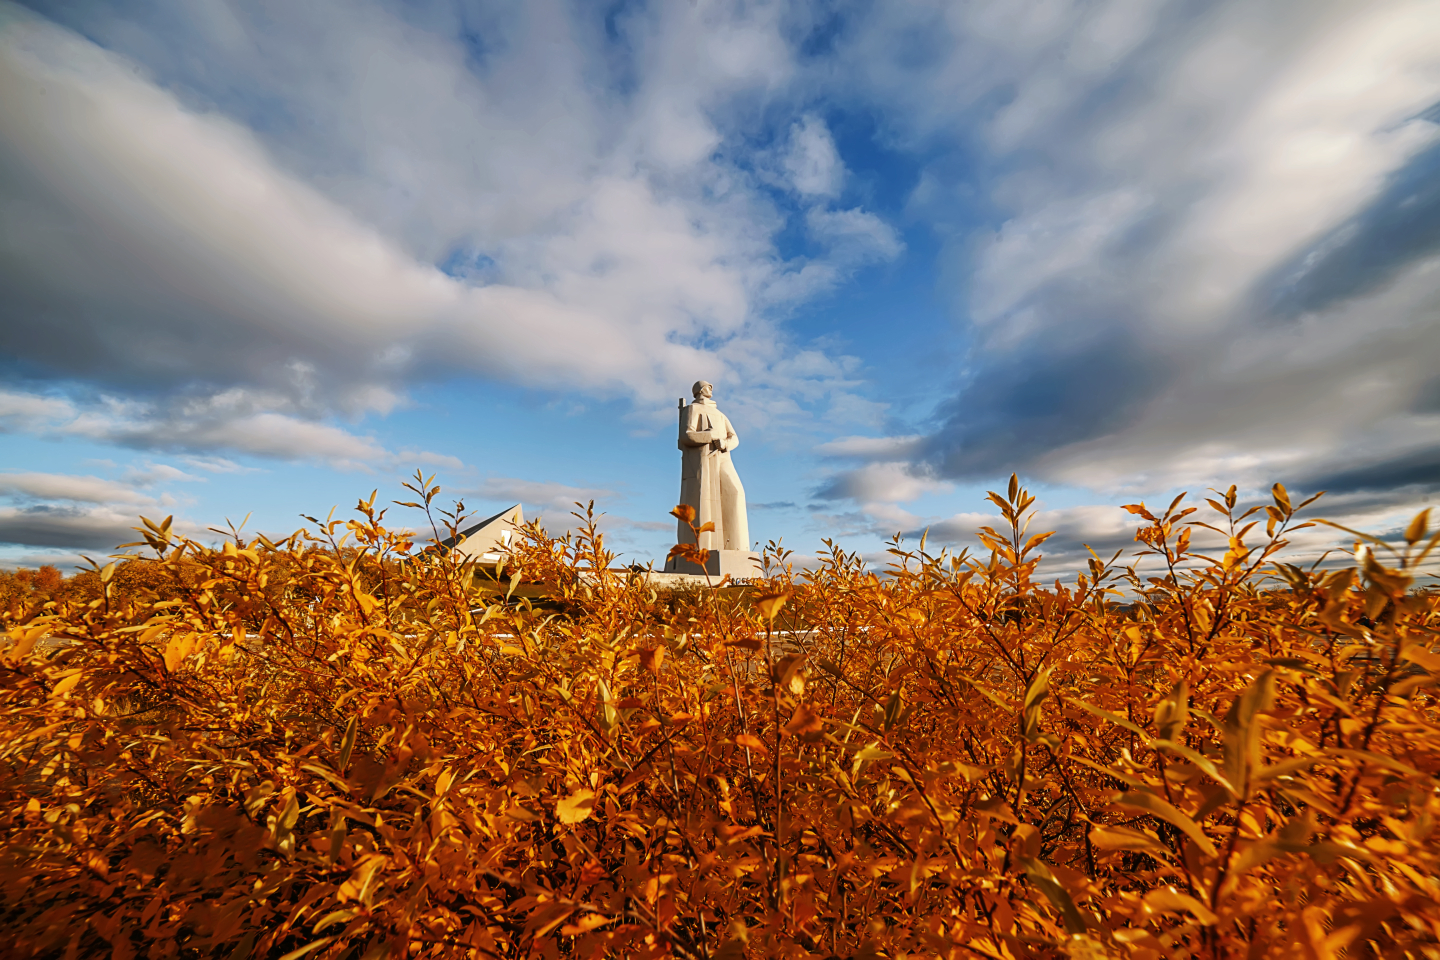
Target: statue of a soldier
<point x="712" y="488"/>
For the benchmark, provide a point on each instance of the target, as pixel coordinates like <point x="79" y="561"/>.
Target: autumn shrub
<point x="19" y="586"/>
<point x="343" y="748"/>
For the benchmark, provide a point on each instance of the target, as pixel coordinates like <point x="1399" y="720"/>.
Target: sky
<point x="260" y="259"/>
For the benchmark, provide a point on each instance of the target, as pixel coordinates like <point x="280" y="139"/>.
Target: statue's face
<point x="703" y="390"/>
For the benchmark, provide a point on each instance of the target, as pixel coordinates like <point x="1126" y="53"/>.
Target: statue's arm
<point x="693" y="437"/>
<point x="732" y="439"/>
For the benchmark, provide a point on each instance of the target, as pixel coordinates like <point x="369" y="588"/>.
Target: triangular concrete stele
<point x="489" y="540"/>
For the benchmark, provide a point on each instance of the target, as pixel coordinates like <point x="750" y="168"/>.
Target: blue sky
<point x="260" y="259"/>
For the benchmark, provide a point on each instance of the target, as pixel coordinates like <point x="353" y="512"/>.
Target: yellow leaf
<point x="354" y="888"/>
<point x="789" y="673"/>
<point x="1123" y="838"/>
<point x="1170" y="900"/>
<point x="1043" y="877"/>
<point x="548" y="916"/>
<point x="585" y="924"/>
<point x="746" y="740"/>
<point x="1281" y="496"/>
<point x="1418" y="527"/>
<point x="179" y="647"/>
<point x="1150" y="803"/>
<point x="769" y="604"/>
<point x="152" y="631"/>
<point x="332" y="918"/>
<point x="66" y="685"/>
<point x="576" y="807"/>
<point x="1418" y="654"/>
<point x="24" y="642"/>
<point x="307" y="949"/>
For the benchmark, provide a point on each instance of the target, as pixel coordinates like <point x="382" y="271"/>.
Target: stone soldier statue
<point x="709" y="484"/>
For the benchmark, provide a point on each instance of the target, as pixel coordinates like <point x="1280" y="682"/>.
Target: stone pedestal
<point x="738" y="564"/>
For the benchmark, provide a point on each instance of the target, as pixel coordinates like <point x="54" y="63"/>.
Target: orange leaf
<point x="804" y="721"/>
<point x="651" y="658"/>
<point x="688" y="551"/>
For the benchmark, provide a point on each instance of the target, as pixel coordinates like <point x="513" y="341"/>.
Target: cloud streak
<point x="53" y="486"/>
<point x="84" y="512"/>
<point x="555" y="498"/>
<point x="72" y="527"/>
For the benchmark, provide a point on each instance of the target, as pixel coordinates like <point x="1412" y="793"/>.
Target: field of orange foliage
<point x="330" y="749"/>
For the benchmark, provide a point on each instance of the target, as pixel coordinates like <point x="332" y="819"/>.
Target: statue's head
<point x="702" y="390"/>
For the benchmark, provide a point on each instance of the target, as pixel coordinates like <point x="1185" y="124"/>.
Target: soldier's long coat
<point x="708" y="481"/>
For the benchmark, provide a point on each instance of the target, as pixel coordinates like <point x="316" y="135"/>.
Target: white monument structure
<point x="489" y="540"/>
<point x="710" y="485"/>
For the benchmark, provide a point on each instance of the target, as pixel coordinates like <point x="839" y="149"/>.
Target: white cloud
<point x="1055" y="242"/>
<point x="876" y="484"/>
<point x="871" y="448"/>
<point x="58" y="486"/>
<point x="78" y="512"/>
<point x="67" y="561"/>
<point x="811" y="162"/>
<point x="555" y="498"/>
<point x="30" y="412"/>
<point x="229" y="421"/>
<point x="854" y="236"/>
<point x="234" y="420"/>
<point x="81" y="528"/>
<point x="851" y="239"/>
<point x="216" y="465"/>
<point x="261" y="434"/>
<point x="150" y="473"/>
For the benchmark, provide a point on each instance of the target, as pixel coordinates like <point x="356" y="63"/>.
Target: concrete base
<point x="737" y="564"/>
